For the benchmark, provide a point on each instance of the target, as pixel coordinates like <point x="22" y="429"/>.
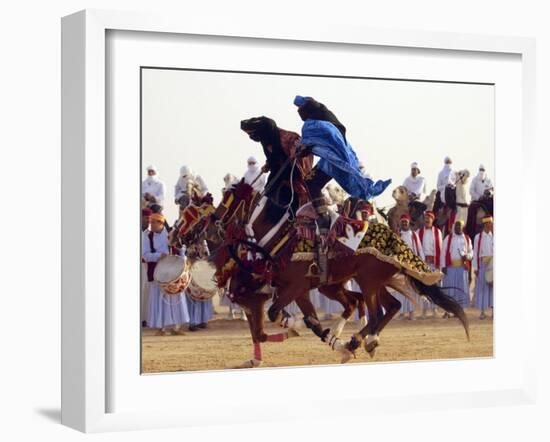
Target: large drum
<point x="172" y="274"/>
<point x="202" y="285"/>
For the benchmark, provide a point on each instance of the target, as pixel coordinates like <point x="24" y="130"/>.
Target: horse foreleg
<point x="362" y="312"/>
<point x="391" y="306"/>
<point x="368" y="332"/>
<point x="347" y="299"/>
<point x="326" y="335"/>
<point x="254" y="310"/>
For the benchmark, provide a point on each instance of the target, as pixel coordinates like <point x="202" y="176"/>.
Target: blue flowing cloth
<point x="338" y="159"/>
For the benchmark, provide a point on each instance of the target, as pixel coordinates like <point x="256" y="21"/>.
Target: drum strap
<point x="151" y="265"/>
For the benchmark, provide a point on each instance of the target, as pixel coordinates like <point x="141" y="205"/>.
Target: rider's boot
<point x="320" y="251"/>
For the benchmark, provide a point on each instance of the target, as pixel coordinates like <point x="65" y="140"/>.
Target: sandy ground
<point x="226" y="343"/>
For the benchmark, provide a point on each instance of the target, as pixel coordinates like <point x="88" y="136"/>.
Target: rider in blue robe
<point x="325" y="137"/>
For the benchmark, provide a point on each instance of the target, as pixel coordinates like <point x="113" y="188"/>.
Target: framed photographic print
<point x="265" y="210"/>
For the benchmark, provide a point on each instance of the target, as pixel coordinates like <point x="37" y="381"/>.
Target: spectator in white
<point x="415" y="184"/>
<point x="446" y="177"/>
<point x="483" y="256"/>
<point x="455" y="261"/>
<point x="412" y="239"/>
<point x="480" y="184"/>
<point x="252" y="173"/>
<point x="152" y="189"/>
<point x="187" y="184"/>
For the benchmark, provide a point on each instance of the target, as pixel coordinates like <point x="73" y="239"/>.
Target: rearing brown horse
<point x="369" y="268"/>
<point x="372" y="269"/>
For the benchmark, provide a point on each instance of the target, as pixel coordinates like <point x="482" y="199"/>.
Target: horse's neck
<point x="262" y="226"/>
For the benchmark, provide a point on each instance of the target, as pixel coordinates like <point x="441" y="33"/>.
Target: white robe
<point x="428" y="242"/>
<point x="407" y="236"/>
<point x="486" y="248"/>
<point x="416" y="185"/>
<point x="459" y="247"/>
<point x="153" y="186"/>
<point x="184" y="185"/>
<point x="445" y="177"/>
<point x="479" y="185"/>
<point x="250" y="175"/>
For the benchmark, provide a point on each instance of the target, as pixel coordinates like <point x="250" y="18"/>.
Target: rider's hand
<point x="265" y="168"/>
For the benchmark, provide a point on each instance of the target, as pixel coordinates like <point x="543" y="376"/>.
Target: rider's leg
<point x="315" y="185"/>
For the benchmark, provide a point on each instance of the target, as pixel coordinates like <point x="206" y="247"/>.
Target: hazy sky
<point x="193" y="118"/>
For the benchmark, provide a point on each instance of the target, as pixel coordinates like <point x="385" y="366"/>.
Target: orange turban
<point x="157" y="217"/>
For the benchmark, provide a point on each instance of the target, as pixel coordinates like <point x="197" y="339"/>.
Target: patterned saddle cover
<point x="379" y="240"/>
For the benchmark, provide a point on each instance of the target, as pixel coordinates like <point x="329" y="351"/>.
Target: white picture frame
<point x="85" y="350"/>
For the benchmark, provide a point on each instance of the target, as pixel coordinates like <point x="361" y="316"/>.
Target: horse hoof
<point x="251" y="363"/>
<point x="370" y="344"/>
<point x="292" y="333"/>
<point x="354" y="343"/>
<point x="346" y="356"/>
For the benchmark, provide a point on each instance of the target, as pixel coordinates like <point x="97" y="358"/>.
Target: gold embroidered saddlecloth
<point x="387" y="246"/>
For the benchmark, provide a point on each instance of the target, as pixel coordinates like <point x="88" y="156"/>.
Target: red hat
<point x="405" y="216"/>
<point x="430" y="214"/>
<point x="146" y="211"/>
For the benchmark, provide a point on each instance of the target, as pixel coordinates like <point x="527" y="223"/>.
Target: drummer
<point x="168" y="314"/>
<point x="200" y="311"/>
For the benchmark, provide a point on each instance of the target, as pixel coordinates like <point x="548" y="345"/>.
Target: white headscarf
<point x="252" y="170"/>
<point x="152" y="178"/>
<point x="482" y="174"/>
<point x="186" y="174"/>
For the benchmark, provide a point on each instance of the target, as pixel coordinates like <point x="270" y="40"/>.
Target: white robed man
<point x="455" y="262"/>
<point x="252" y="171"/>
<point x="152" y="188"/>
<point x="412" y="239"/>
<point x="445" y="178"/>
<point x="167" y="315"/>
<point x="483" y="255"/>
<point x="432" y="243"/>
<point x="145" y="221"/>
<point x="415" y="184"/>
<point x="480" y="184"/>
<point x="187" y="185"/>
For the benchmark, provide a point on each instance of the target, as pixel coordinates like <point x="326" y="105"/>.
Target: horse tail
<point x="439" y="298"/>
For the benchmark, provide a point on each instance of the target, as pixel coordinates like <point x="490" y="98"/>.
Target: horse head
<point x="201" y="220"/>
<point x="193" y="221"/>
<point x="260" y="129"/>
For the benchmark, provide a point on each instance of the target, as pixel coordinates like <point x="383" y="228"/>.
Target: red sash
<point x="479" y="250"/>
<point x="437" y="240"/>
<point x="416" y="242"/>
